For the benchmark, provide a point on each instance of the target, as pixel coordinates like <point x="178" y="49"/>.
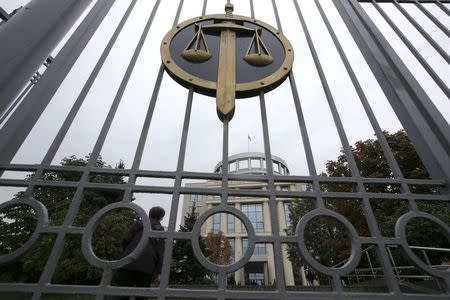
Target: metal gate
<point x="351" y="29"/>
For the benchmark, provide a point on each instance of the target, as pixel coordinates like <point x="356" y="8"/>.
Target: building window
<point x="286" y="214"/>
<point x="285" y="188"/>
<point x="216" y="223"/>
<point x="243" y="164"/>
<point x="196" y="198"/>
<point x="230" y="223"/>
<point x="276" y="168"/>
<point x="256" y="278"/>
<point x="255" y="214"/>
<point x="255" y="164"/>
<point x="260" y="249"/>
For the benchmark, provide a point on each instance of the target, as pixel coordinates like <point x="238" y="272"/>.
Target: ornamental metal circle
<point x="400" y="234"/>
<point x="42" y="221"/>
<point x="227" y="56"/>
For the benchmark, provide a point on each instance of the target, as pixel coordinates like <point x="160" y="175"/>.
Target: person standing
<point x="147" y="266"/>
<point x="310" y="276"/>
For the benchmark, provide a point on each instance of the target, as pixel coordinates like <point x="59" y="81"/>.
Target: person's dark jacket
<point x="151" y="259"/>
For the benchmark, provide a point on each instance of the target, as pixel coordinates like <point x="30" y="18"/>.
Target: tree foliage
<point x="17" y="224"/>
<point x="219" y="247"/>
<point x="184" y="268"/>
<point x="328" y="241"/>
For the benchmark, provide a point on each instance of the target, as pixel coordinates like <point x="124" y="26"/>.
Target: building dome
<point x="253" y="163"/>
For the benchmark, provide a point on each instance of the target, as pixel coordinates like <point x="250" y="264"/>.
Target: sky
<point x="204" y="144"/>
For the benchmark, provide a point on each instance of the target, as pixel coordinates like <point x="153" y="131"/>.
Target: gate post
<point x="422" y="121"/>
<point x="28" y="38"/>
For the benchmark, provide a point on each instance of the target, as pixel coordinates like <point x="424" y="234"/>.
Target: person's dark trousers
<point x="131" y="278"/>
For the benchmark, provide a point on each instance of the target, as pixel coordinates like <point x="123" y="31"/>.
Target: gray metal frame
<point x="424" y="124"/>
<point x="28" y="41"/>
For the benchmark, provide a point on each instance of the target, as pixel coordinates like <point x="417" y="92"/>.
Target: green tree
<point x="17" y="224"/>
<point x="328" y="241"/>
<point x="185" y="269"/>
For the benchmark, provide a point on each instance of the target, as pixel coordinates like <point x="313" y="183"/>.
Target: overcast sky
<point x="205" y="132"/>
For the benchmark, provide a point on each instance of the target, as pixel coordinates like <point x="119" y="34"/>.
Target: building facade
<point x="260" y="270"/>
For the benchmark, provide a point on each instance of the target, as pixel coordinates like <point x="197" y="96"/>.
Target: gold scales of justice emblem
<point x="227" y="56"/>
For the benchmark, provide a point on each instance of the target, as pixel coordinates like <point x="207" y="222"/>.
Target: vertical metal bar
<point x="428" y="261"/>
<point x="445" y="89"/>
<point x="337" y="285"/>
<point x="305" y="138"/>
<point x="443" y="7"/>
<point x="375" y="125"/>
<point x="370" y="264"/>
<point x="4" y="15"/>
<point x="422" y="31"/>
<point x="373" y="227"/>
<point x="23" y="51"/>
<point x="24" y="118"/>
<point x="119" y="94"/>
<point x="147" y="121"/>
<point x="165" y="273"/>
<point x="281" y="284"/>
<point x="252" y="9"/>
<point x="225" y="163"/>
<point x="364" y="101"/>
<point x="424" y="124"/>
<point x="278" y="250"/>
<point x="225" y="176"/>
<point x="432" y="18"/>
<point x="393" y="263"/>
<point x="302" y="125"/>
<point x="105" y="281"/>
<point x="205" y="4"/>
<point x="151" y="108"/>
<point x="77" y="198"/>
<point x="15" y="103"/>
<point x="107" y="274"/>
<point x="328" y="94"/>
<point x="386" y="150"/>
<point x="85" y="90"/>
<point x="304" y="133"/>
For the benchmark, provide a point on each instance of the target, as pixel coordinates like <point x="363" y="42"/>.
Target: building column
<point x="239" y="274"/>
<point x="302" y="273"/>
<point x="270" y="264"/>
<point x="266" y="274"/>
<point x="287" y="265"/>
